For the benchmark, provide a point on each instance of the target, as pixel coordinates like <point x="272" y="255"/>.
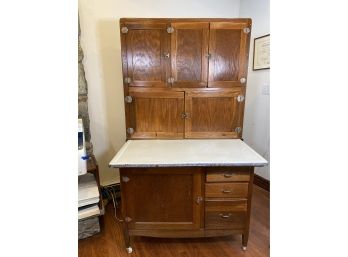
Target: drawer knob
<point x="227" y="175"/>
<point x="225" y="191"/>
<point x="225" y="216"/>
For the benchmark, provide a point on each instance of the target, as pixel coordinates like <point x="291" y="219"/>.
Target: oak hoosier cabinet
<point x="185" y="80"/>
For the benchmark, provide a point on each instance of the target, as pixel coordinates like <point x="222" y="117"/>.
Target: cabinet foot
<point x="129" y="249"/>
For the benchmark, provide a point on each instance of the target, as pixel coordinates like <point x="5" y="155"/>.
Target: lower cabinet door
<point x="162" y="198"/>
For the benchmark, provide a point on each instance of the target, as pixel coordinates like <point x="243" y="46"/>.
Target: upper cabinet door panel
<point x="228" y="49"/>
<point x="145" y="46"/>
<point x="189" y="51"/>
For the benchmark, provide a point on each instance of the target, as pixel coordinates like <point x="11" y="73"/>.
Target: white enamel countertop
<point x="186" y="152"/>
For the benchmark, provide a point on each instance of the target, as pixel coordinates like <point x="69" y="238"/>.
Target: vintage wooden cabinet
<point x="185" y="79"/>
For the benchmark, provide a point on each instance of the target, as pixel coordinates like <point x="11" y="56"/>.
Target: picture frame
<point x="261" y="57"/>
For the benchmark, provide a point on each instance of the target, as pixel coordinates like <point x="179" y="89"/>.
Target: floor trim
<point x="262" y="182"/>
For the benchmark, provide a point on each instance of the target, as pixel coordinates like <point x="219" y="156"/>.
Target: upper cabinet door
<point x="143" y="48"/>
<point x="189" y="54"/>
<point x="214" y="113"/>
<point x="228" y="51"/>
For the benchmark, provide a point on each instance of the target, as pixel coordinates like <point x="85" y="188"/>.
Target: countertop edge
<point x="187" y="165"/>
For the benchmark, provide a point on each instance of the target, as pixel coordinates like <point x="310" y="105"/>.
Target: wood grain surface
<point x="110" y="242"/>
<point x="173" y="193"/>
<point x="156" y="114"/>
<point x="228" y="46"/>
<point x="189" y="50"/>
<point x="146" y="65"/>
<point x="213" y="114"/>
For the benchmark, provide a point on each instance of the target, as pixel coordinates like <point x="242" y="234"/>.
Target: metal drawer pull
<point x="226" y="191"/>
<point x="225" y="216"/>
<point x="227" y="175"/>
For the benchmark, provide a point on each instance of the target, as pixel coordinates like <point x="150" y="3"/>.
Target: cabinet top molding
<point x="168" y="20"/>
<point x="185" y="153"/>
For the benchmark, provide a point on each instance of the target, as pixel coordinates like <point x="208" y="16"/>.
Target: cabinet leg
<point x="127" y="238"/>
<point x="245" y="238"/>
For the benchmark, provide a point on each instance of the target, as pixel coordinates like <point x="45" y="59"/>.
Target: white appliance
<point x="82" y="156"/>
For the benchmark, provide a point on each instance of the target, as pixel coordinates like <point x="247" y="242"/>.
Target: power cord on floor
<point x="110" y="191"/>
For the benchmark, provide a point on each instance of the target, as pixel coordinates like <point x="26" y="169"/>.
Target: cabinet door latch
<point x="170" y="80"/>
<point x="185" y="115"/>
<point x="127" y="219"/>
<point x="199" y="199"/>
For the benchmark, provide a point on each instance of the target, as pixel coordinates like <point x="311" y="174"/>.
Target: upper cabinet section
<point x="185" y="53"/>
<point x="189" y="53"/>
<point x="228" y="53"/>
<point x="144" y="45"/>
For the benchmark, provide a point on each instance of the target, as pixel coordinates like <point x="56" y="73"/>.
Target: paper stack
<point x="88" y="196"/>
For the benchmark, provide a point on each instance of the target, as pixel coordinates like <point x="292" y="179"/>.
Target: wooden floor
<point x="109" y="243"/>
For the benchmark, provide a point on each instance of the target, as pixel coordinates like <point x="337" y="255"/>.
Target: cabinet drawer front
<point x="228" y="174"/>
<point x="226" y="205"/>
<point x="239" y="190"/>
<point x="225" y="220"/>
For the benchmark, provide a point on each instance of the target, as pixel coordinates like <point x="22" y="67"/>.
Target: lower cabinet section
<point x="181" y="202"/>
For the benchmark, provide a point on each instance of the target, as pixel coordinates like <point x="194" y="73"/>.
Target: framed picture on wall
<point x="261" y="60"/>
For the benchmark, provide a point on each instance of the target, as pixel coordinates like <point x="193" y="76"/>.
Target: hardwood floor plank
<point x="110" y="242"/>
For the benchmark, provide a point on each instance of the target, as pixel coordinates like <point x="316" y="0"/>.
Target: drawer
<point x="235" y="190"/>
<point x="228" y="174"/>
<point x="225" y="214"/>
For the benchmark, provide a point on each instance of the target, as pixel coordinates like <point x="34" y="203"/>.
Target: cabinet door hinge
<point x="125" y="179"/>
<point x="130" y="130"/>
<point x="124" y="30"/>
<point x="170" y="30"/>
<point x="238" y="130"/>
<point x="240" y="98"/>
<point x="127" y="80"/>
<point x="128" y="99"/>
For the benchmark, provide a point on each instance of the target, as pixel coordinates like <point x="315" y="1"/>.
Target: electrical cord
<point x="113" y="200"/>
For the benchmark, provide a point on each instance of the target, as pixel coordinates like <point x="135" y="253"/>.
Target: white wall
<point x="100" y="41"/>
<point x="256" y="118"/>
